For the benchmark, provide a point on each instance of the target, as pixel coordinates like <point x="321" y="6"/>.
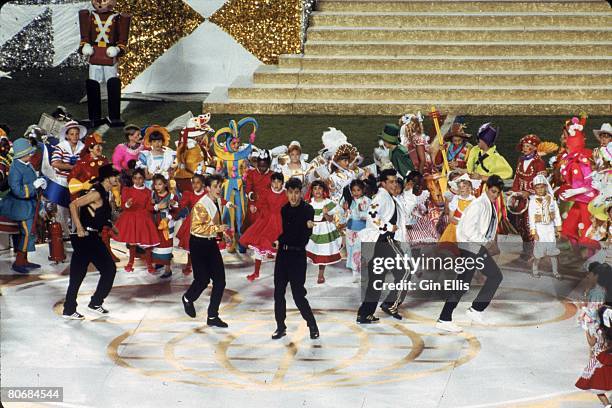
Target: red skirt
<point x="260" y="235"/>
<point x="137" y="228"/>
<point x="184" y="233"/>
<point x="596" y="377"/>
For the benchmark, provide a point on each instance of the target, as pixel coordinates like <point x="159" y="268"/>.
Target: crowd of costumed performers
<point x="435" y="179"/>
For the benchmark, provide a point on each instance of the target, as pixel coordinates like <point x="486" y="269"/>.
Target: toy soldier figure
<point x="104" y="37"/>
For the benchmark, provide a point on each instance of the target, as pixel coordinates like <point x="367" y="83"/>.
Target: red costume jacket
<point x="116" y="27"/>
<point x="258" y="184"/>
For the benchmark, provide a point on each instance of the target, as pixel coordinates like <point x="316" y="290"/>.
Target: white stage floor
<point x="148" y="353"/>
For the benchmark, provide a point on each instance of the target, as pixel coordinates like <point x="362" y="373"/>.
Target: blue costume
<point x="20" y="204"/>
<point x="234" y="166"/>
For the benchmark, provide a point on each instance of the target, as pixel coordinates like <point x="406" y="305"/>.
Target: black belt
<point x="291" y="248"/>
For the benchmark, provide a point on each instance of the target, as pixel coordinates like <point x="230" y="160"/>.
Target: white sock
<point x="534" y="266"/>
<point x="554" y="263"/>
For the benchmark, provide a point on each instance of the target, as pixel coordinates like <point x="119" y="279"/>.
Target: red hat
<point x="531" y="139"/>
<point x="93" y="139"/>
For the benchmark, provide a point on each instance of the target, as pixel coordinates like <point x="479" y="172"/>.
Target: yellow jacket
<point x="205" y="218"/>
<point x="494" y="163"/>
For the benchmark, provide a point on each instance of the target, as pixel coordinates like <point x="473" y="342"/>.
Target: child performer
<point x="325" y="242"/>
<point x="261" y="235"/>
<point x="165" y="206"/>
<point x="420" y="227"/>
<point x="465" y="187"/>
<point x="188" y="200"/>
<point x="597" y="375"/>
<point x="135" y="224"/>
<point x="545" y="224"/>
<point x="356" y="204"/>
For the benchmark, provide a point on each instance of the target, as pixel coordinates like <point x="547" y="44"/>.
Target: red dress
<point x="269" y="224"/>
<point x="135" y="224"/>
<point x="597" y="376"/>
<point x="188" y="200"/>
<point x="258" y="184"/>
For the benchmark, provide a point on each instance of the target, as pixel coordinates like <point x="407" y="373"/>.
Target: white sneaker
<point x="448" y="326"/>
<point x="475" y="316"/>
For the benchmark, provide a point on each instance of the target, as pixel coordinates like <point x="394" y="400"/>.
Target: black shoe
<point x="367" y="319"/>
<point x="279" y="333"/>
<point x="388" y="311"/>
<point x="20" y="269"/>
<point x="216" y="321"/>
<point x="189" y="308"/>
<point x="166" y="275"/>
<point x="314" y="332"/>
<point x="98" y="309"/>
<point x="73" y="316"/>
<point x="31" y="265"/>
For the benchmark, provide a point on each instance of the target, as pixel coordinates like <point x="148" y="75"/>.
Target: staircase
<point x="378" y="57"/>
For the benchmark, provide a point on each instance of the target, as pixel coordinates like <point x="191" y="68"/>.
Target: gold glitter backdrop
<point x="267" y="28"/>
<point x="156" y="26"/>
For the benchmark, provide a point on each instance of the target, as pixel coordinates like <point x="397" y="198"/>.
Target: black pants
<point x="382" y="249"/>
<point x="207" y="265"/>
<point x="89" y="249"/>
<point x="290" y="268"/>
<point x="395" y="298"/>
<point x="486" y="293"/>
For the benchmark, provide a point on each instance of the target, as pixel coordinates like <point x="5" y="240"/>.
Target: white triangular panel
<point x="14" y="17"/>
<point x="206" y="7"/>
<point x="66" y="34"/>
<point x="208" y="58"/>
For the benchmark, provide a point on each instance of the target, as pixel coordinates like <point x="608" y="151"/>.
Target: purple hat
<point x="487" y="133"/>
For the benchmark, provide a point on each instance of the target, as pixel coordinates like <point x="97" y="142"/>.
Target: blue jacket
<point x="20" y="203"/>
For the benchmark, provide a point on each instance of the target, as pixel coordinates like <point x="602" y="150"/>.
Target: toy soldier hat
<point x="606" y="129"/>
<point x="70" y="125"/>
<point x="156" y="132"/>
<point x="22" y="147"/>
<point x="390" y="134"/>
<point x="528" y="139"/>
<point x="456" y="130"/>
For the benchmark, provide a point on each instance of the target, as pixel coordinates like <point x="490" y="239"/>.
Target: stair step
<point x="467" y="6"/>
<point x="384" y="92"/>
<point x="386" y="48"/>
<point x="398" y="107"/>
<point x="403" y="20"/>
<point x="446" y="34"/>
<point x="347" y="77"/>
<point x="479" y="63"/>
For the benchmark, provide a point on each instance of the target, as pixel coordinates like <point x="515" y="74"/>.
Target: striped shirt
<point x="63" y="153"/>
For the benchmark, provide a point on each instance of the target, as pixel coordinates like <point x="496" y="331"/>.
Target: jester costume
<point x="233" y="162"/>
<point x="575" y="168"/>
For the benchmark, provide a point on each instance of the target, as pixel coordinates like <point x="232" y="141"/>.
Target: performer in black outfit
<point x="90" y="213"/>
<point x="205" y="255"/>
<point x="290" y="266"/>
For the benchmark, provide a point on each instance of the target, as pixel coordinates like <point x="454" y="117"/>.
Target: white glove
<point x="87" y="50"/>
<point x="40" y="183"/>
<point x="572" y="192"/>
<point x="112" y="52"/>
